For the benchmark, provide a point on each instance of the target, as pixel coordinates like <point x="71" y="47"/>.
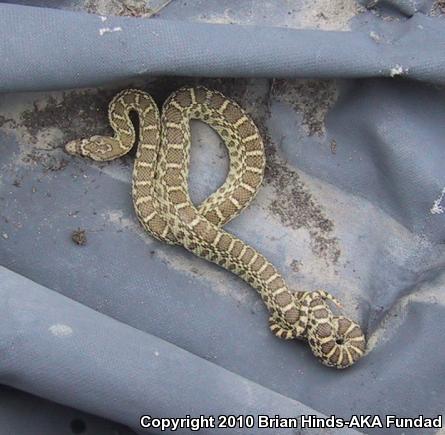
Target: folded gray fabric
<point x="120" y="372"/>
<point x="89" y="50"/>
<point x="353" y="202"/>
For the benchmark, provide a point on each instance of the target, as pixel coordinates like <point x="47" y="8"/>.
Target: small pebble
<point x="79" y="237"/>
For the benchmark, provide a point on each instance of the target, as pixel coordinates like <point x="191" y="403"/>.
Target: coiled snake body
<point x="164" y="208"/>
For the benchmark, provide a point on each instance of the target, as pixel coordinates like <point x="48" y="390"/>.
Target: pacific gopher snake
<point x="164" y="208"/>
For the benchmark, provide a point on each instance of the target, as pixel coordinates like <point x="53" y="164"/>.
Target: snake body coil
<point x="164" y="208"/>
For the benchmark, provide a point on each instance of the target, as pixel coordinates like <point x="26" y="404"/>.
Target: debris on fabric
<point x="104" y="30"/>
<point x="437" y="207"/>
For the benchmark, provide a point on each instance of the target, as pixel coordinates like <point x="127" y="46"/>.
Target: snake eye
<point x="96" y="147"/>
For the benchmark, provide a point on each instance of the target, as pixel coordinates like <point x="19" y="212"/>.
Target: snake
<point x="163" y="206"/>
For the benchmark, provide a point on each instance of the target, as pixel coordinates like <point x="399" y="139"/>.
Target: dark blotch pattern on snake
<point x="163" y="206"/>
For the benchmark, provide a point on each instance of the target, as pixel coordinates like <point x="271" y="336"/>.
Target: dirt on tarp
<point x="79" y="237"/>
<point x="311" y="98"/>
<point x="126" y="8"/>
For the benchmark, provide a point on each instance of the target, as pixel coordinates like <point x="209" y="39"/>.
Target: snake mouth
<point x="71" y="147"/>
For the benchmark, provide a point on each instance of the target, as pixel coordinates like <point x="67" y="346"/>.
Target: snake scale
<point x="164" y="208"/>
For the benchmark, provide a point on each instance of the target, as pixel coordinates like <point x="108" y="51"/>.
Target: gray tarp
<point x="353" y="202"/>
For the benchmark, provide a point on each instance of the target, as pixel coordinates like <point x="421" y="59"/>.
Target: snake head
<point x="98" y="148"/>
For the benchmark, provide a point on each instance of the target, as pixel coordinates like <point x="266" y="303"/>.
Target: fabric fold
<point x="88" y="50"/>
<point x="61" y="350"/>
